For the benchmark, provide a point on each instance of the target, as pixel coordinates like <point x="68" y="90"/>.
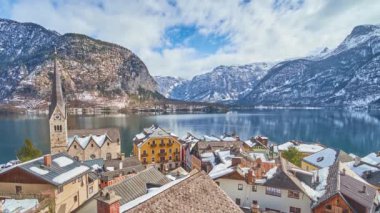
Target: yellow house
<point x="68" y="183"/>
<point x="158" y="147"/>
<point x="324" y="158"/>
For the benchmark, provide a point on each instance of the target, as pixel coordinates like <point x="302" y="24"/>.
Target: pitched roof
<point x="327" y="157"/>
<point x="152" y="132"/>
<point x="302" y="147"/>
<point x="135" y="186"/>
<point x="84" y="136"/>
<point x="124" y="171"/>
<point x="206" y="146"/>
<point x="340" y="182"/>
<point x="126" y="162"/>
<point x="196" y="193"/>
<point x="63" y="169"/>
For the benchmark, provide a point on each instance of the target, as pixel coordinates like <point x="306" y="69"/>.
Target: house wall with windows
<point x="245" y="195"/>
<point x="159" y="150"/>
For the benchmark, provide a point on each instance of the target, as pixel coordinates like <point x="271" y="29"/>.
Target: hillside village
<point x="86" y="171"/>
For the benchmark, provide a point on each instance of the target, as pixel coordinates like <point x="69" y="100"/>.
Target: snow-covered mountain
<point x="167" y="84"/>
<point x="222" y="84"/>
<point x="347" y="76"/>
<point x="93" y="71"/>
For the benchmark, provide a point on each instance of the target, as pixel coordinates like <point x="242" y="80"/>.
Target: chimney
<point x="364" y="189"/>
<point x="235" y="161"/>
<point x="121" y="165"/>
<point x="250" y="177"/>
<point x="344" y="172"/>
<point x="108" y="202"/>
<point x="47" y="160"/>
<point x="255" y="208"/>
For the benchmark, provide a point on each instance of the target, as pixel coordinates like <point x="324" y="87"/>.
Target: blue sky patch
<point x="189" y="36"/>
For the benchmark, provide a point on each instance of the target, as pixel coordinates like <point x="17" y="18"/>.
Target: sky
<point x="184" y="38"/>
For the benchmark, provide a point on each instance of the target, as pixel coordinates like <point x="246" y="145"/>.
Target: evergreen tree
<point x="293" y="155"/>
<point x="28" y="151"/>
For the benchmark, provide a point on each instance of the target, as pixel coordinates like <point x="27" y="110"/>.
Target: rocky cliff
<point x="94" y="72"/>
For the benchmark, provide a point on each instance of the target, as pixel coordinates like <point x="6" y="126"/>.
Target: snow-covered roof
<point x="321" y="159"/>
<point x="140" y="136"/>
<point x="302" y="147"/>
<point x="249" y="143"/>
<point x="84" y="140"/>
<point x="13" y="205"/>
<point x="320" y="189"/>
<point x="361" y="168"/>
<point x="262" y="156"/>
<point x="63" y="161"/>
<point x="39" y="170"/>
<point x="70" y="174"/>
<point x="210" y="138"/>
<point x="372" y="159"/>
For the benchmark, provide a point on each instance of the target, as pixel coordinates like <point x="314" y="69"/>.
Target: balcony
<point x="162" y="153"/>
<point x="170" y="144"/>
<point x="162" y="144"/>
<point x="144" y="155"/>
<point x="153" y="145"/>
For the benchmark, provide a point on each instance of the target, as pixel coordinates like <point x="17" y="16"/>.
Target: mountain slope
<point x="93" y="71"/>
<point x="166" y="84"/>
<point x="223" y="84"/>
<point x="346" y="76"/>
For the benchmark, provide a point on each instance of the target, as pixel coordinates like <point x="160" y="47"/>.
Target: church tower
<point x="57" y="114"/>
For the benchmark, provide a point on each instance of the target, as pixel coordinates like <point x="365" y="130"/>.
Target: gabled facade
<point x="158" y="147"/>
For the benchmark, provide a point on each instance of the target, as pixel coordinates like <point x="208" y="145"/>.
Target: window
<point x="92" y="145"/>
<point x="92" y="156"/>
<point x="152" y="160"/>
<point x="237" y="201"/>
<point x="18" y="189"/>
<point x="153" y="152"/>
<point x="294" y="210"/>
<point x="293" y="194"/>
<point x="240" y="186"/>
<point x="319" y="159"/>
<point x="170" y="150"/>
<point x="75" y="146"/>
<point x="91" y="189"/>
<point x="170" y="157"/>
<point x="108" y="156"/>
<point x="273" y="191"/>
<point x="328" y="207"/>
<point x="60" y="189"/>
<point x="254" y="188"/>
<point x="254" y="202"/>
<point x="75" y="198"/>
<point x="144" y="160"/>
<point x="108" y="144"/>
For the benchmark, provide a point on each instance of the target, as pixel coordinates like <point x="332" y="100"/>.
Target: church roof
<point x="84" y="136"/>
<point x="57" y="100"/>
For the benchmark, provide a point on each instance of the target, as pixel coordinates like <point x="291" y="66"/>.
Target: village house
<point x="195" y="192"/>
<point x="204" y="151"/>
<point x="82" y="144"/>
<point x="117" y="170"/>
<point x="324" y="158"/>
<point x="256" y="144"/>
<point x="59" y="177"/>
<point x="256" y="188"/>
<point x="345" y="192"/>
<point x="305" y="148"/>
<point x="188" y="143"/>
<point x="158" y="147"/>
<point x="128" y="189"/>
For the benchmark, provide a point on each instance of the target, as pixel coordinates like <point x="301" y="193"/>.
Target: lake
<point x="354" y="132"/>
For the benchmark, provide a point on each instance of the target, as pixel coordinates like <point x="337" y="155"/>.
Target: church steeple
<point x="57" y="114"/>
<point x="57" y="99"/>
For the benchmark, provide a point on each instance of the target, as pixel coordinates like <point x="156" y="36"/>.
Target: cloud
<point x="219" y="32"/>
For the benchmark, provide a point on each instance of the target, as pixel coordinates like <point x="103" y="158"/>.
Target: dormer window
<point x="319" y="159"/>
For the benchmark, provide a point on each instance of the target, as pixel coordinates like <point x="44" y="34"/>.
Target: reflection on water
<point x="357" y="132"/>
